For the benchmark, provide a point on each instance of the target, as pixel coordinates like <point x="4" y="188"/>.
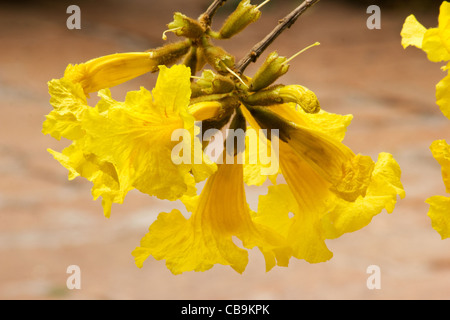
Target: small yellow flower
<point x="439" y="211"/>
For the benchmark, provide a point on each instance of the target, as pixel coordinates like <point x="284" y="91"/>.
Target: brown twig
<point x="283" y="24"/>
<point x="205" y="18"/>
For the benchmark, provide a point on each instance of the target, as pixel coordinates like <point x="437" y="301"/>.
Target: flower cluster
<point x="120" y="146"/>
<point x="435" y="42"/>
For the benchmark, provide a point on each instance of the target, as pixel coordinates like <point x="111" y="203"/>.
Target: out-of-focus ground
<point x="48" y="223"/>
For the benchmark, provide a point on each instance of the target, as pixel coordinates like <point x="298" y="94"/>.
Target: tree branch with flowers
<point x="124" y="145"/>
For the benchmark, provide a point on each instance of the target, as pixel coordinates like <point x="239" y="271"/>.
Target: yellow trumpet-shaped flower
<point x="219" y="214"/>
<point x="436" y="43"/>
<point x="347" y="173"/>
<point x="330" y="190"/>
<point x="130" y="141"/>
<point x="439" y="211"/>
<point x="110" y="70"/>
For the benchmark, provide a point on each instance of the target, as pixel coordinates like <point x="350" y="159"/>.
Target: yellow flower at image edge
<point x="435" y="42"/>
<point x="129" y="142"/>
<point x="439" y="211"/>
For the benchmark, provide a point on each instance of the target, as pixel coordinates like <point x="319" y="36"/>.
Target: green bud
<point x="170" y="53"/>
<point x="215" y="83"/>
<point x="217" y="57"/>
<point x="196" y="90"/>
<point x="193" y="60"/>
<point x="244" y="14"/>
<point x="273" y="68"/>
<point x="185" y="26"/>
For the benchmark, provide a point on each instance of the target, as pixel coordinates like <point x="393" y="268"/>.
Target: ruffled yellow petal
<point x="441" y="152"/>
<point x="439" y="211"/>
<point x="433" y="44"/>
<point x="319" y="214"/>
<point x="130" y="141"/>
<point x="382" y="192"/>
<point x="110" y="70"/>
<point x="444" y="23"/>
<point x="136" y="138"/>
<point x="207" y="237"/>
<point x="439" y="214"/>
<point x="443" y="95"/>
<point x="436" y="41"/>
<point x="172" y="93"/>
<point x="103" y="174"/>
<point x="69" y="103"/>
<point x="412" y="32"/>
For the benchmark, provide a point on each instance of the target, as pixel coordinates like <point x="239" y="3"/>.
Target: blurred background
<point x="48" y="223"/>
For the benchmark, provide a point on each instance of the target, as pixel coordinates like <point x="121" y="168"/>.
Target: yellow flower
<point x="436" y="43"/>
<point x="439" y="211"/>
<point x="129" y="141"/>
<point x="110" y="70"/>
<point x="219" y="214"/>
<point x="330" y="190"/>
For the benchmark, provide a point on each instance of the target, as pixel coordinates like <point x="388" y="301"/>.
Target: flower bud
<point x="244" y="14"/>
<point x="185" y="26"/>
<point x="114" y="69"/>
<point x="217" y="57"/>
<point x="215" y="83"/>
<point x="191" y="60"/>
<point x="205" y="110"/>
<point x="169" y="54"/>
<point x="110" y="70"/>
<point x="285" y="94"/>
<point x="273" y="68"/>
<point x="302" y="96"/>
